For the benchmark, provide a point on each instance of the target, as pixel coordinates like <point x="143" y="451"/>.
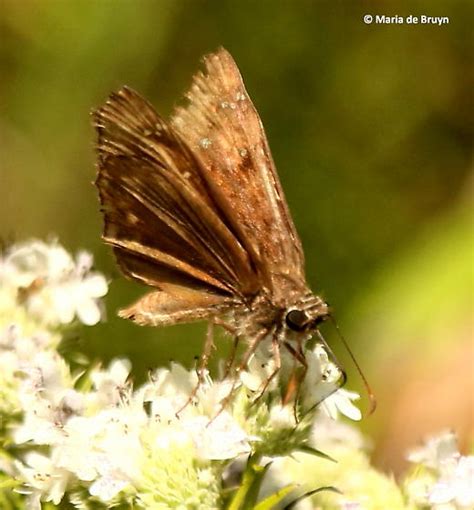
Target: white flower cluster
<point x="319" y="386"/>
<point x="41" y="289"/>
<point x="138" y="445"/>
<point x="92" y="440"/>
<point x="112" y="440"/>
<point x="49" y="284"/>
<point x="92" y="436"/>
<point x="443" y="478"/>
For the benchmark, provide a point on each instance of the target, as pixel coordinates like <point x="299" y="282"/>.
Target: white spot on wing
<point x="205" y="143"/>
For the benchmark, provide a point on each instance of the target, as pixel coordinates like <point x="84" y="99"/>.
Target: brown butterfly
<point x="193" y="208"/>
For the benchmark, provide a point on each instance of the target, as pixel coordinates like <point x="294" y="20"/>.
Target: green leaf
<point x="83" y="380"/>
<point x="315" y="452"/>
<point x="9" y="499"/>
<point x="275" y="498"/>
<point x="246" y="495"/>
<point x="9" y="483"/>
<point x="309" y="494"/>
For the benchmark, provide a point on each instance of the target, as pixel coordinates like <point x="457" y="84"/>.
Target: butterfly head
<point x="307" y="315"/>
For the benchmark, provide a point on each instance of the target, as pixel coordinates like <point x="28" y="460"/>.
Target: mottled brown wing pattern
<point x="159" y="214"/>
<point x="222" y="126"/>
<point x="195" y="203"/>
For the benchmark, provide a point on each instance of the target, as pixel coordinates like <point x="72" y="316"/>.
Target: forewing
<point x="222" y="126"/>
<point x="159" y="213"/>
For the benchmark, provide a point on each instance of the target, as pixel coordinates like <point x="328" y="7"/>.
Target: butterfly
<point x="194" y="209"/>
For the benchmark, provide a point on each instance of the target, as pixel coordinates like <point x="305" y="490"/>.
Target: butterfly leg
<point x="252" y="348"/>
<point x="269" y="379"/>
<point x="228" y="327"/>
<point x="295" y="381"/>
<point x="234" y="333"/>
<point x="203" y="362"/>
<point x="243" y="363"/>
<point x="231" y="358"/>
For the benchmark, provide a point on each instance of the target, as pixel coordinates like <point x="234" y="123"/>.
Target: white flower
<point x="340" y="402"/>
<point x="417" y="488"/>
<point x="282" y="417"/>
<point x="436" y="451"/>
<point x="328" y="433"/>
<point x="14" y="338"/>
<point x="39" y="425"/>
<point x="175" y="383"/>
<point x="20" y="355"/>
<point x="108" y="486"/>
<point x="76" y="451"/>
<point x="455" y="485"/>
<point x="320" y="387"/>
<point x="260" y="367"/>
<point x="214" y="432"/>
<point x="105" y="449"/>
<point x="220" y="439"/>
<point x="44" y="481"/>
<point x="47" y="399"/>
<point x="448" y="481"/>
<point x="111" y="384"/>
<point x="51" y="285"/>
<point x="29" y="261"/>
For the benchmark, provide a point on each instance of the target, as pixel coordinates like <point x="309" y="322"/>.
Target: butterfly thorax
<point x="294" y="317"/>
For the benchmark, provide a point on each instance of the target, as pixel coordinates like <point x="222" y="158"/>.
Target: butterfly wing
<point x="222" y="126"/>
<point x="195" y="203"/>
<point x="159" y="215"/>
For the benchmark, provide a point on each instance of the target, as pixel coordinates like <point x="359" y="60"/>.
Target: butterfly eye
<point x="297" y="320"/>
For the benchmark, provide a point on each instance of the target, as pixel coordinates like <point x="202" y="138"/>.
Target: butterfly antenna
<point x="368" y="389"/>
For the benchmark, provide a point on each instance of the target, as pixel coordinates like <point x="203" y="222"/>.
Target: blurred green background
<point x="370" y="127"/>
